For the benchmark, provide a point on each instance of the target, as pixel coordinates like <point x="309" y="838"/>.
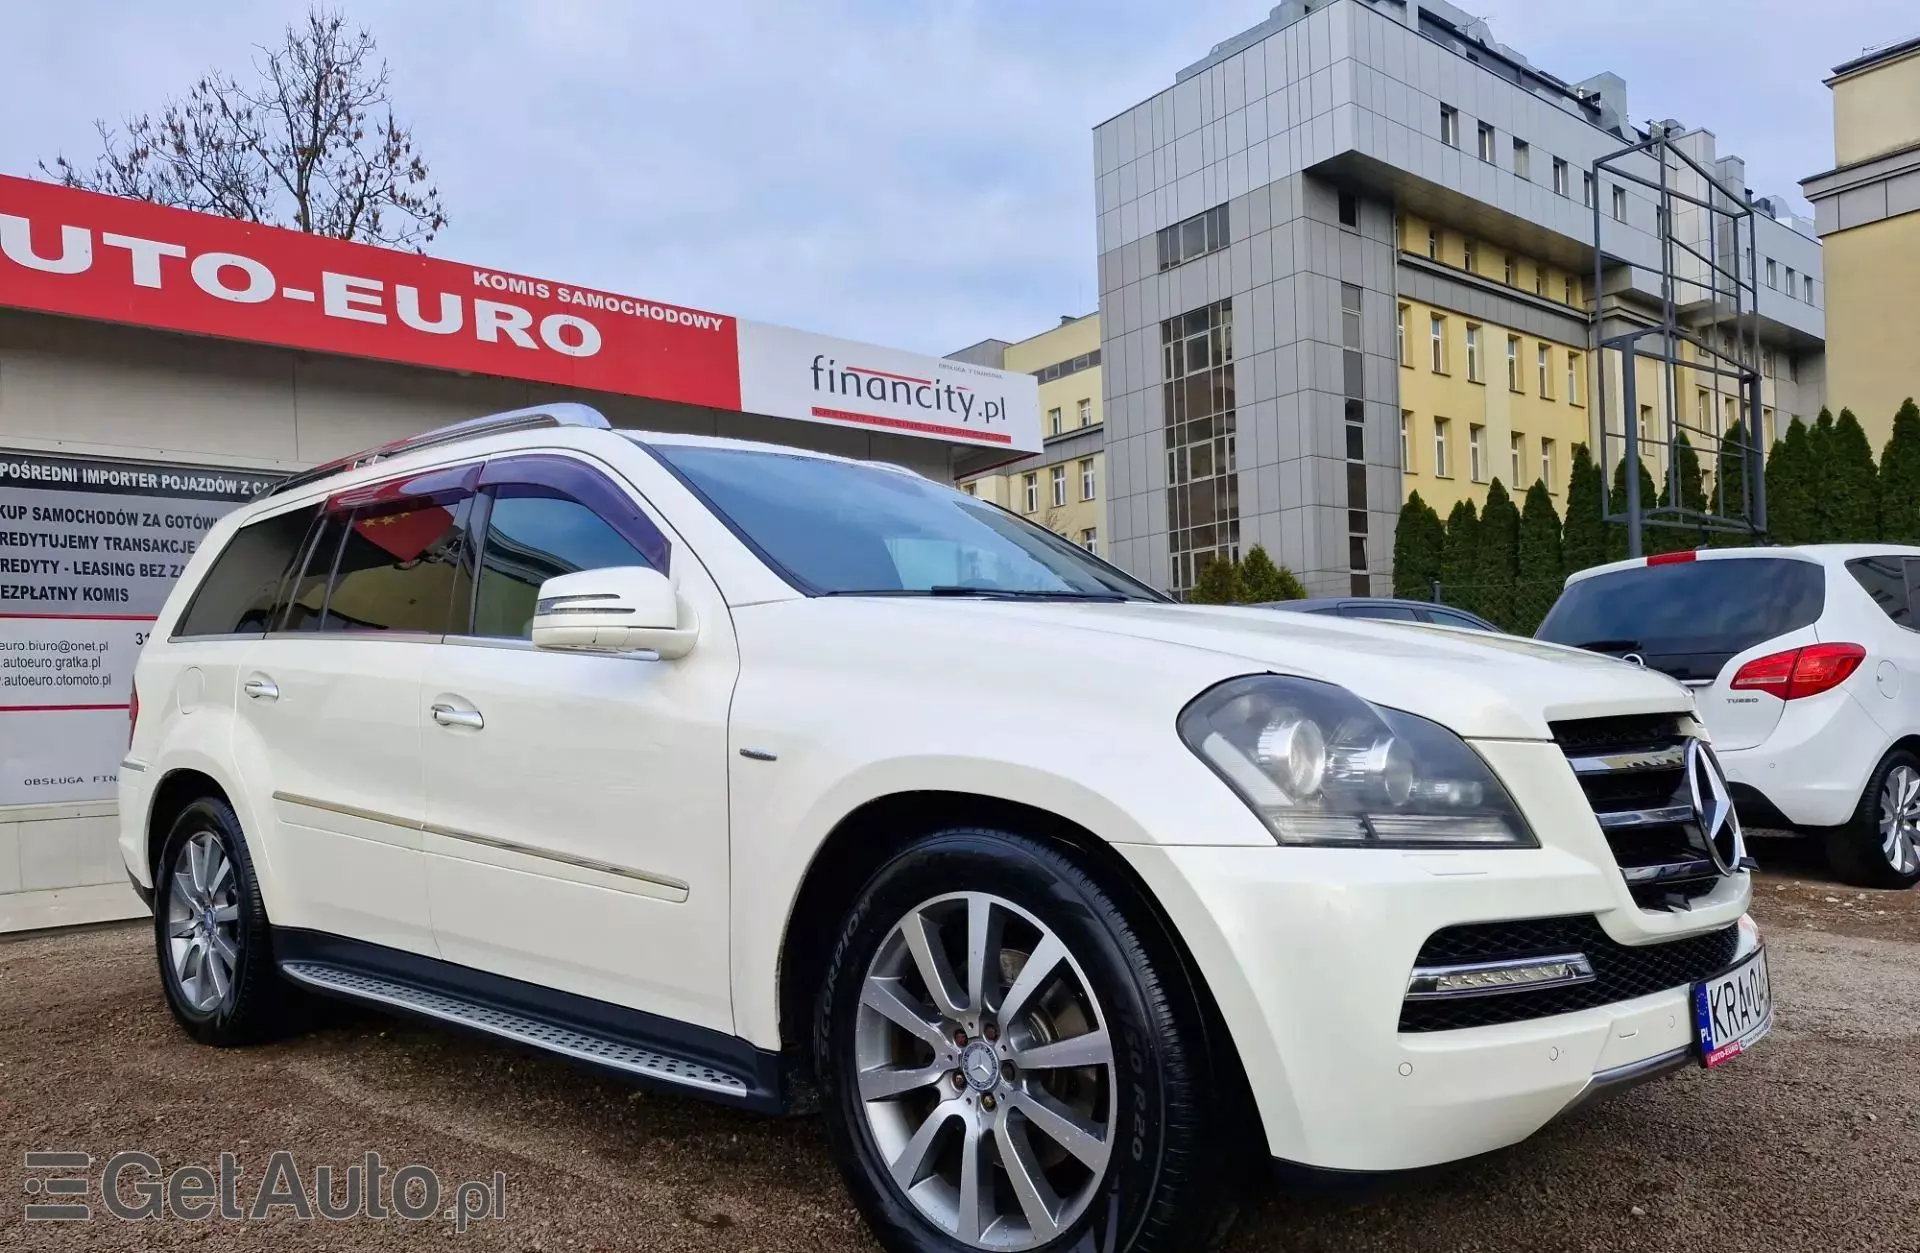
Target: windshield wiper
<point x="986" y="593"/>
<point x="1610" y="646"/>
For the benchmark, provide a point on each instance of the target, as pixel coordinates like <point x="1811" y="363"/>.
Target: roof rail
<point x="535" y="418"/>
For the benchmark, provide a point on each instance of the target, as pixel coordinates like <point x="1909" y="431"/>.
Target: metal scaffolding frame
<point x="1723" y="329"/>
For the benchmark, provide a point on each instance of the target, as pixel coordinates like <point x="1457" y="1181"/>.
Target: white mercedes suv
<point x="796" y="782"/>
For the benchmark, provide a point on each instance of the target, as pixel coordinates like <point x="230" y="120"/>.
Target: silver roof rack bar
<point x="537" y="417"/>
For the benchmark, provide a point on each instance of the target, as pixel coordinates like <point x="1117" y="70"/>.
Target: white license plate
<point x="1733" y="1010"/>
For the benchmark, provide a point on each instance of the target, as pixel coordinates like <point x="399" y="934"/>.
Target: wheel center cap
<point x="980" y="1066"/>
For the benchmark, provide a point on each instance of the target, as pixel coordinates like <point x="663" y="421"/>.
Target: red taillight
<point x="1800" y="672"/>
<point x="1668" y="559"/>
<point x="133" y="713"/>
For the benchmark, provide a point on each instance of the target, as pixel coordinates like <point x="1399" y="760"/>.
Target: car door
<point x="1890" y="637"/>
<point x="577" y="803"/>
<point x="329" y="707"/>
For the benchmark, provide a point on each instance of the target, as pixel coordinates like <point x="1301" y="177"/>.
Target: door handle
<point x="261" y="689"/>
<point x="448" y="716"/>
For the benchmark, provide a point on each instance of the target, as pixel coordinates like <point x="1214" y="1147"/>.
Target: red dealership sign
<point x="113" y="260"/>
<point x="116" y="260"/>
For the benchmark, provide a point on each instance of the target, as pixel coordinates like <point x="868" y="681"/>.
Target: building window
<point x="1349" y="210"/>
<point x="1523" y="159"/>
<point x="1793" y="368"/>
<point x="1090" y="540"/>
<point x="1567" y="292"/>
<point x="1406" y="441"/>
<point x="971" y="489"/>
<point x="1546" y="462"/>
<point x="1032" y="483"/>
<point x="1467" y="257"/>
<point x="1449" y="126"/>
<point x="1619" y="204"/>
<point x="1807" y="279"/>
<point x="1433" y="244"/>
<point x="1586" y="189"/>
<point x="1517" y="447"/>
<point x="1473" y="353"/>
<point x="1486" y="142"/>
<point x="1539" y="280"/>
<point x="1766" y="363"/>
<point x="1401" y="332"/>
<point x="1203" y="480"/>
<point x="1513" y="363"/>
<point x="1546" y="384"/>
<point x="1440" y="426"/>
<point x="1086" y="478"/>
<point x="1562" y="178"/>
<point x="1773" y="274"/>
<point x="1477" y="453"/>
<point x="1437" y="341"/>
<point x="1053" y="421"/>
<point x="1573" y="377"/>
<point x="1703" y="413"/>
<point x="1646" y="420"/>
<point x="1059" y="486"/>
<point x="1196" y="237"/>
<point x="1793" y="283"/>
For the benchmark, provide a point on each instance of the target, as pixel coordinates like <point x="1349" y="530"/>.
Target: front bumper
<point x="1307" y="954"/>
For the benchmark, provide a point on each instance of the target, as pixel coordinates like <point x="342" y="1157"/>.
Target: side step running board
<point x="520" y="1028"/>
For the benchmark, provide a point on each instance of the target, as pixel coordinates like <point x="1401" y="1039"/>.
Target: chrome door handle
<point x="448" y="716"/>
<point x="261" y="689"/>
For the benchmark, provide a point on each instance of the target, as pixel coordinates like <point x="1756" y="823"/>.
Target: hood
<point x="1474" y="683"/>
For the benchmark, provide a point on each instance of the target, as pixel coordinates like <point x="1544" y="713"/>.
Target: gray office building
<point x="1253" y="264"/>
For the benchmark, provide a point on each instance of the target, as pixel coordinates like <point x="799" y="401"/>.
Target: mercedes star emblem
<point x="1713" y="808"/>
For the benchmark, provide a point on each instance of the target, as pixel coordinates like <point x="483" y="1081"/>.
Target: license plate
<point x="1733" y="1010"/>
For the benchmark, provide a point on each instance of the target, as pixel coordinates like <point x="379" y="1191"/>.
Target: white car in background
<point x="1805" y="663"/>
<point x="777" y="778"/>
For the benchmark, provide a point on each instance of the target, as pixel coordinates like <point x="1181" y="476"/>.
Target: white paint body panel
<point x="625" y="778"/>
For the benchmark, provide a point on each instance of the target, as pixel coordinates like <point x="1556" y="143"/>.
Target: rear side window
<point x="1699" y="609"/>
<point x="401" y="568"/>
<point x="1886" y="580"/>
<point x="242" y="592"/>
<point x="1394" y="613"/>
<point x="1442" y="618"/>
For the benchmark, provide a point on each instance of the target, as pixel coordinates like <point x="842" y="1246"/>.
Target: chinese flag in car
<point x="407" y="534"/>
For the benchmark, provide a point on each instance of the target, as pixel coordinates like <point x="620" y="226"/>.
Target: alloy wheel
<point x="1900" y="819"/>
<point x="986" y="1071"/>
<point x="203" y="922"/>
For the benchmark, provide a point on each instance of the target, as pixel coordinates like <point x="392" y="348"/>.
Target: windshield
<point x="1688" y="618"/>
<point x="847" y="528"/>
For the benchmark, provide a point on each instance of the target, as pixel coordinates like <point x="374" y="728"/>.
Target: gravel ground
<point x="1811" y="1143"/>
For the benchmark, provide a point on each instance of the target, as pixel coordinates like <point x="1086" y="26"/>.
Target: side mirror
<point x="621" y="609"/>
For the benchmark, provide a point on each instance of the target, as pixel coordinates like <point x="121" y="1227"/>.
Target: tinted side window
<point x="1442" y="618"/>
<point x="242" y="590"/>
<point x="306" y="600"/>
<point x="402" y="567"/>
<point x="1885" y="579"/>
<point x="533" y="534"/>
<point x="1396" y="613"/>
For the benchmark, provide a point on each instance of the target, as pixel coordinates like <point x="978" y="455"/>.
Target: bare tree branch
<point x="311" y="143"/>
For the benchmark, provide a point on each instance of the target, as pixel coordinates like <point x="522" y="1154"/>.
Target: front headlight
<point x="1319" y="765"/>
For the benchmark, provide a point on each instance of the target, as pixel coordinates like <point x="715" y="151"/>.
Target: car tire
<point x="1141" y="1160"/>
<point x="1880" y="846"/>
<point x="211" y="934"/>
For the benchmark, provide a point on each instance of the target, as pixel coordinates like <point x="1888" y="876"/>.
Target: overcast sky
<point x="913" y="172"/>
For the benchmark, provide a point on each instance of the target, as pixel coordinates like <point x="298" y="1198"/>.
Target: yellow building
<point x="1479" y="400"/>
<point x="1062" y="487"/>
<point x="1867" y="211"/>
